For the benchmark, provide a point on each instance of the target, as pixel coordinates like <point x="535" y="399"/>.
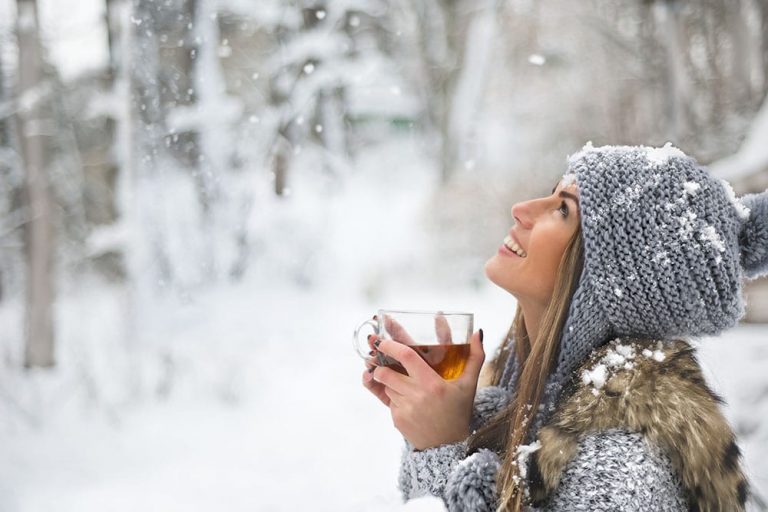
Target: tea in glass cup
<point x="440" y="338"/>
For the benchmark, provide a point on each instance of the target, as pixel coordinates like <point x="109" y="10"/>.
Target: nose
<point x="521" y="212"/>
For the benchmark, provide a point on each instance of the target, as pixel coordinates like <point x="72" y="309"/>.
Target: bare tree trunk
<point x="39" y="238"/>
<point x="763" y="49"/>
<point x="439" y="47"/>
<point x="668" y="21"/>
<point x="741" y="61"/>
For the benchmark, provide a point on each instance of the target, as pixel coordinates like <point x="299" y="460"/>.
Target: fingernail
<point x="371" y="353"/>
<point x="370" y="370"/>
<point x="375" y="317"/>
<point x="377" y="343"/>
<point x="481" y="335"/>
<point x="370" y="336"/>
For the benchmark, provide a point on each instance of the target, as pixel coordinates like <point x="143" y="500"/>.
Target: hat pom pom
<point x="754" y="235"/>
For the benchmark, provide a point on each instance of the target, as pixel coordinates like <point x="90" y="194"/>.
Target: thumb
<point x="476" y="357"/>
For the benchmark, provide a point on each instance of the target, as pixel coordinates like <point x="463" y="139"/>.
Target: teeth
<point x="512" y="246"/>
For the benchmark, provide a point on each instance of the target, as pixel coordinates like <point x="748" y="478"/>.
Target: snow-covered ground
<point x="257" y="405"/>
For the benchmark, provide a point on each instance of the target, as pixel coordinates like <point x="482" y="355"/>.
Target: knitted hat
<point x="666" y="247"/>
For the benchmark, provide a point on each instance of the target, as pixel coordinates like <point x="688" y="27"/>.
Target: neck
<point x="532" y="314"/>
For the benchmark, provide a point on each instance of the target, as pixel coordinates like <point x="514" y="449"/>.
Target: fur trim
<point x="657" y="389"/>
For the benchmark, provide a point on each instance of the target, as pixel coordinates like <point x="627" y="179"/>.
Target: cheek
<point x="549" y="252"/>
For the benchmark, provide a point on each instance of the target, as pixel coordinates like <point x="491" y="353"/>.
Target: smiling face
<point x="526" y="263"/>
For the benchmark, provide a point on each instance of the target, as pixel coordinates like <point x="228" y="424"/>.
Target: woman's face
<point x="542" y="229"/>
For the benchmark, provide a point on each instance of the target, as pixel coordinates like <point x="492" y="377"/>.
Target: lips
<point x="511" y="243"/>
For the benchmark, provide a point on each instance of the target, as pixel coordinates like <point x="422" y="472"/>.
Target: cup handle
<point x="356" y="340"/>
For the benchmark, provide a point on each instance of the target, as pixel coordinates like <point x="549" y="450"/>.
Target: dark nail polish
<point x="481" y="335"/>
<point x="375" y="317"/>
<point x="377" y="343"/>
<point x="371" y="353"/>
<point x="370" y="370"/>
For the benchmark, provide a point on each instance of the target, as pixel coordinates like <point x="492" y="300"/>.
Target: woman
<point x="596" y="400"/>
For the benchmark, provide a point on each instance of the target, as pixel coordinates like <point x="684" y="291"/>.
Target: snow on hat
<point x="666" y="247"/>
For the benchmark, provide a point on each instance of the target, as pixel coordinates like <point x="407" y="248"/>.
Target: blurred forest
<point x="174" y="159"/>
<point x="200" y="199"/>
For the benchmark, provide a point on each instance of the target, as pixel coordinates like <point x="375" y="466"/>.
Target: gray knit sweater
<point x="613" y="470"/>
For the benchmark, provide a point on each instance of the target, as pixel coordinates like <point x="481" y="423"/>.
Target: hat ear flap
<point x="753" y="238"/>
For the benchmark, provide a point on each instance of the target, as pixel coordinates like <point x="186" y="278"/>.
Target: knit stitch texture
<point x="617" y="470"/>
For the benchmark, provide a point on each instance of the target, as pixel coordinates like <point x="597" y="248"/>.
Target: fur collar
<point x="656" y="389"/>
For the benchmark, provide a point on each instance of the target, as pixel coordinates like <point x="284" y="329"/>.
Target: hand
<point x="426" y="409"/>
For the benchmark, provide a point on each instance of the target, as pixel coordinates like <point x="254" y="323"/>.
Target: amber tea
<point x="441" y="338"/>
<point x="447" y="360"/>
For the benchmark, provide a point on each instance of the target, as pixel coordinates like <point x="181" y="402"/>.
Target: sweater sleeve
<point x="447" y="472"/>
<point x="465" y="483"/>
<point x="618" y="470"/>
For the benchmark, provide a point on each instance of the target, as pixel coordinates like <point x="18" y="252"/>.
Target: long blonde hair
<point x="509" y="429"/>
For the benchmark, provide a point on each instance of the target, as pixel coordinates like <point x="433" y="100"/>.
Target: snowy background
<point x="230" y="187"/>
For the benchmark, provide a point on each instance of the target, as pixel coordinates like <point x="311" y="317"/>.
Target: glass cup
<point x="440" y="338"/>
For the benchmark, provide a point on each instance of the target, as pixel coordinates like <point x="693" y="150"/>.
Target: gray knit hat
<point x="666" y="248"/>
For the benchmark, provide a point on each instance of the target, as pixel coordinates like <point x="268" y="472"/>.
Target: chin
<point x="496" y="274"/>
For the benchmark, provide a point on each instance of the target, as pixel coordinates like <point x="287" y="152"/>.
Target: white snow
<point x="75" y="35"/>
<point x="627" y="351"/>
<point x="691" y="187"/>
<point x="659" y="156"/>
<point x="741" y="210"/>
<point x="656" y="156"/>
<point x="619" y="356"/>
<point x="567" y="180"/>
<point x="275" y="405"/>
<point x="710" y="235"/>
<point x="523" y="452"/>
<point x="614" y="359"/>
<point x="661" y="257"/>
<point x="596" y="376"/>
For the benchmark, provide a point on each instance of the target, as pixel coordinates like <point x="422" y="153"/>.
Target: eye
<point x="563" y="209"/>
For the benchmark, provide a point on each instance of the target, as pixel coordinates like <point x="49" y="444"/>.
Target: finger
<point x="442" y="329"/>
<point x="378" y="390"/>
<point x="397" y="331"/>
<point x="395" y="398"/>
<point x="371" y="340"/>
<point x="416" y="367"/>
<point x="476" y="358"/>
<point x="393" y="380"/>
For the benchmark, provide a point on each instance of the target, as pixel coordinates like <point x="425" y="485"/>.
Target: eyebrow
<point x="568" y="195"/>
<point x="565" y="194"/>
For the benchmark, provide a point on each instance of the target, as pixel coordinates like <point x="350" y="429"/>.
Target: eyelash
<point x="563" y="206"/>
